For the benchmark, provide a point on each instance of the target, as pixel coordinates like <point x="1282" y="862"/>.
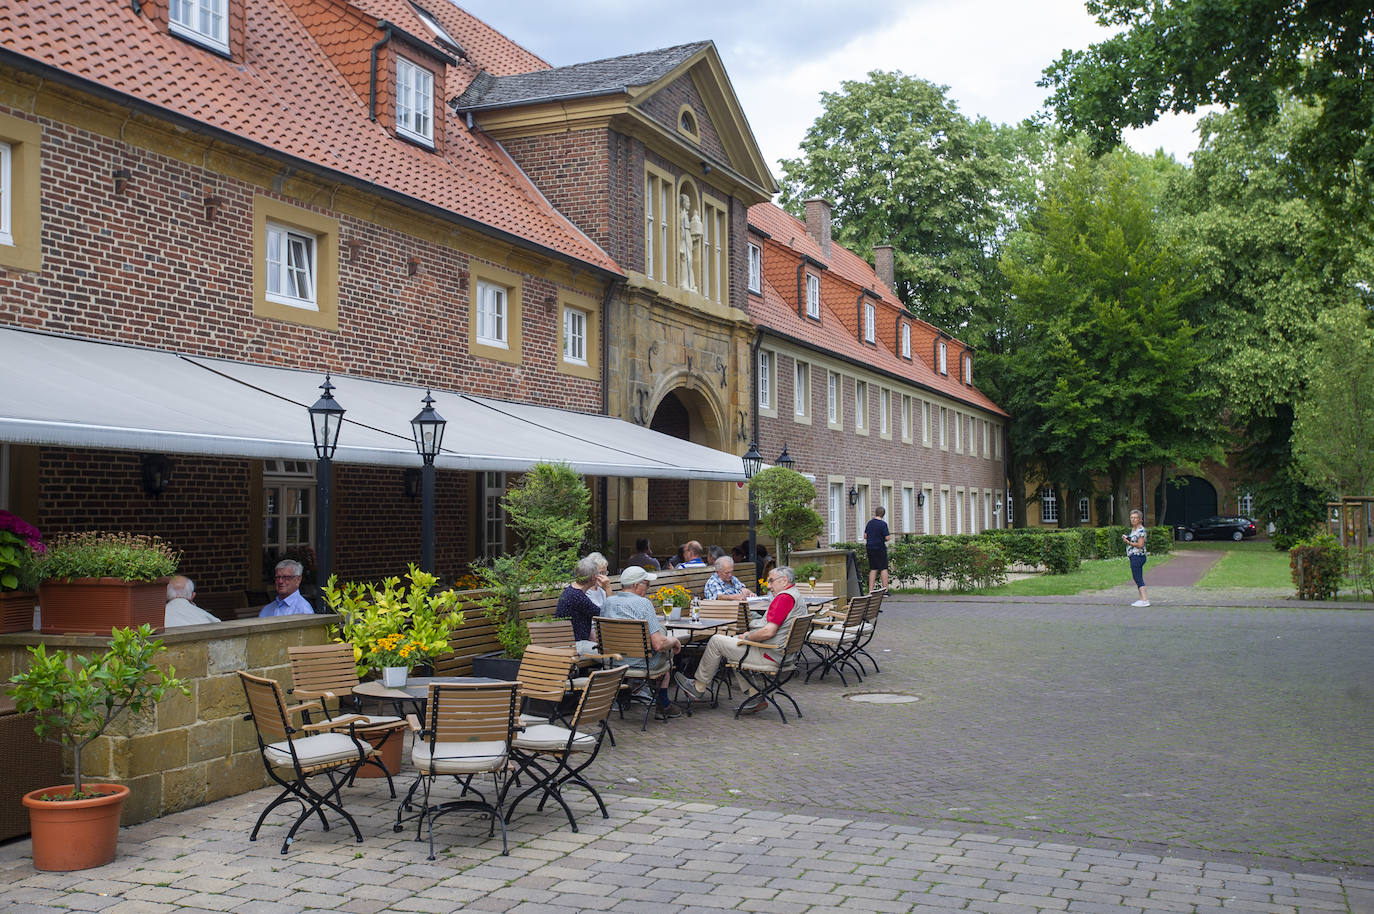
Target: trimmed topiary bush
<point x="1318" y="565"/>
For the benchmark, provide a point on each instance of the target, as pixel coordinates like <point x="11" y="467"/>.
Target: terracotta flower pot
<point x="16" y="610"/>
<point x="74" y="834"/>
<point x="99" y="604"/>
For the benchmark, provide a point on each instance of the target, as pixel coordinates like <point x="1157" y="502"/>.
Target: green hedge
<point x="966" y="562"/>
<point x="1060" y="551"/>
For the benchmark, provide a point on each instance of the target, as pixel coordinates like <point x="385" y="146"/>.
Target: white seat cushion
<point x="832" y="635"/>
<point x="580" y="682"/>
<point x="550" y="738"/>
<point x="459" y="758"/>
<point x="315" y="750"/>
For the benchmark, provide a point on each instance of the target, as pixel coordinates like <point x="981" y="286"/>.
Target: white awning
<point x="92" y="394"/>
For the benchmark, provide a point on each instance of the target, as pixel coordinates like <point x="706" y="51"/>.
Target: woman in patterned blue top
<point x="1135" y="551"/>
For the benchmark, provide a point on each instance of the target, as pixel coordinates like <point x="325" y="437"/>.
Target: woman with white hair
<point x="575" y="602"/>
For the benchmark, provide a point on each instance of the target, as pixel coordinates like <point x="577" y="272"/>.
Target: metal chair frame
<point x="628" y="639"/>
<point x="770" y="683"/>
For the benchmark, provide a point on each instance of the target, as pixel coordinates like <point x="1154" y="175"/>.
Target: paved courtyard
<point x="1062" y="754"/>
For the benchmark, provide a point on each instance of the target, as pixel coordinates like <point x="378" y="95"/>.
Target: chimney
<point x="818" y="223"/>
<point x="882" y="263"/>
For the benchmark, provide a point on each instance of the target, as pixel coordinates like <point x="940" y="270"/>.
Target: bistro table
<point x="701" y="626"/>
<point x="413" y="695"/>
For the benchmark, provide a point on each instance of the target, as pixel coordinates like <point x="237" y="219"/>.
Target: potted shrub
<point x="20" y="545"/>
<point x="75" y="698"/>
<point x="92" y="582"/>
<point x="548" y="511"/>
<point x="394" y="625"/>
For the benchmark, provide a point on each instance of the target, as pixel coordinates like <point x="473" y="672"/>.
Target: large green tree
<point x="1333" y="433"/>
<point x="1179" y="55"/>
<point x="902" y="166"/>
<point x="1105" y="377"/>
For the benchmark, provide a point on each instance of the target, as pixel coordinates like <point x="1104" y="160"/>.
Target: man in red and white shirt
<point x="785" y="606"/>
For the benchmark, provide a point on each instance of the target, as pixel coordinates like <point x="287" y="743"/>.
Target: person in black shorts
<point x="876" y="536"/>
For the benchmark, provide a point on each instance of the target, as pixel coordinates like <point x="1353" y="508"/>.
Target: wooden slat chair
<point x="556" y="633"/>
<point x="467" y="732"/>
<point x="868" y="630"/>
<point x="294" y="754"/>
<point x="627" y="640"/>
<point x="768" y="677"/>
<point x="327" y="673"/>
<point x="722" y="609"/>
<point x="545" y="677"/>
<point x="834" y="638"/>
<point x="570" y="749"/>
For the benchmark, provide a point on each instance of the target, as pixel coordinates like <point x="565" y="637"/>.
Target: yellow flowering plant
<point x="380" y="620"/>
<point x="675" y="594"/>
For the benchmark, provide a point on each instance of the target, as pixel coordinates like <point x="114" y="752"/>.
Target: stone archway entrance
<point x="1192" y="498"/>
<point x="670" y="499"/>
<point x="687" y="414"/>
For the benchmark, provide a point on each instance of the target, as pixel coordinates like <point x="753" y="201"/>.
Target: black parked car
<point x="1220" y="527"/>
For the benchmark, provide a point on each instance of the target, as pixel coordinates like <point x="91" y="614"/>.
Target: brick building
<point x="206" y="207"/>
<point x="879" y="406"/>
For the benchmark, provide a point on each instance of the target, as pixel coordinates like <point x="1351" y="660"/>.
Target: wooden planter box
<point x="96" y="605"/>
<point x="16" y="610"/>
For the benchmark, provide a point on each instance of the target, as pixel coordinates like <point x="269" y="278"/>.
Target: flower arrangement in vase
<point x="393" y="624"/>
<point x="674" y="595"/>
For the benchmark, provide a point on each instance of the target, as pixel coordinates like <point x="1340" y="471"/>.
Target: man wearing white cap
<point x="632" y="602"/>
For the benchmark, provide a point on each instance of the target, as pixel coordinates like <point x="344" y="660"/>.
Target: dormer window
<point x="202" y="21"/>
<point x="414" y="102"/>
<point x="906" y="341"/>
<point x="755" y="269"/>
<point x="968" y="370"/>
<point x="813" y="296"/>
<point x="439" y="31"/>
<point x="870" y="323"/>
<point x="943" y="358"/>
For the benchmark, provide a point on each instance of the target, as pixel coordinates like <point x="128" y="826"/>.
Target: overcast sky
<point x="781" y="55"/>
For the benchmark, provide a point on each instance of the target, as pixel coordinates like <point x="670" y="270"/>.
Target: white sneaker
<point x="1141" y="603"/>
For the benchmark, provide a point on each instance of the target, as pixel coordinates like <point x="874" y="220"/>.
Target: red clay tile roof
<point x="846" y="276"/>
<point x="292" y="97"/>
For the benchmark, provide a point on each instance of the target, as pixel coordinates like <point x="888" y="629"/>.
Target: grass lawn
<point x="1245" y="564"/>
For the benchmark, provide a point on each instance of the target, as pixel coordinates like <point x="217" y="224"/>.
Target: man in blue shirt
<point x="289" y="601"/>
<point x="692" y="553"/>
<point x="723" y="585"/>
<point x="876" y="536"/>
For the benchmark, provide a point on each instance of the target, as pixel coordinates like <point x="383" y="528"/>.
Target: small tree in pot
<point x="76" y="698"/>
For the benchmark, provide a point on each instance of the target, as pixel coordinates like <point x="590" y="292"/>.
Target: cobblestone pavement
<point x="1061" y="756"/>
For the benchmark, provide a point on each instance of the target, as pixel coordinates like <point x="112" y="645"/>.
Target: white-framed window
<point x="908" y="509"/>
<point x="659" y="212"/>
<point x="944" y="424"/>
<point x="837" y="512"/>
<point x="203" y="21"/>
<point x="870" y="322"/>
<point x="861" y="513"/>
<point x="714" y="244"/>
<point x="813" y="296"/>
<point x="972" y="439"/>
<point x="928" y="505"/>
<point x="972" y="511"/>
<point x="6" y="194"/>
<point x="439" y="31"/>
<point x="925" y="422"/>
<point x="414" y="102"/>
<point x="860" y="405"/>
<point x="755" y="268"/>
<point x="968" y="370"/>
<point x="291" y="267"/>
<point x="958" y="440"/>
<point x="492" y="325"/>
<point x="1085" y="512"/>
<point x="906" y="341"/>
<point x="944" y="511"/>
<point x="986" y="452"/>
<point x="832" y="393"/>
<point x="944" y="358"/>
<point x="575" y="336"/>
<point x="885" y="499"/>
<point x="988" y="519"/>
<point x="493" y="515"/>
<point x="1049" y="506"/>
<point x="1246" y="504"/>
<point x="885" y="410"/>
<point x="765" y="379"/>
<point x="906" y="418"/>
<point x="958" y="512"/>
<point x="801" y="388"/>
<point x="288" y="510"/>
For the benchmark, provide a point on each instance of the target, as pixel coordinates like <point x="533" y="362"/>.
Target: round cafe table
<point x="412" y="696"/>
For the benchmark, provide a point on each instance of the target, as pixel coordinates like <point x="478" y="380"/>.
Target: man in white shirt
<point x="181" y="610"/>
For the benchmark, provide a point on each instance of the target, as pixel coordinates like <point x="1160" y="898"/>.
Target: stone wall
<point x="190" y="749"/>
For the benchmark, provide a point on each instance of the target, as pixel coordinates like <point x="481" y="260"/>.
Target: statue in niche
<point x="689" y="237"/>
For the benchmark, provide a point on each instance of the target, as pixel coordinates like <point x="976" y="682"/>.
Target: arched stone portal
<point x="686" y="413"/>
<point x="1190" y="498"/>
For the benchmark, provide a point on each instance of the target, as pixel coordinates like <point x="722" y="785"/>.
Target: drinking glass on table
<point x="812" y="580"/>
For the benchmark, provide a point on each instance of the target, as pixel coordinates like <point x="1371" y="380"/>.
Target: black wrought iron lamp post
<point x="428" y="427"/>
<point x="753" y="460"/>
<point x="326" y="416"/>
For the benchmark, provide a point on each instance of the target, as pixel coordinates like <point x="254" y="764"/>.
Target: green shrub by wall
<point x="964" y="562"/>
<point x="1318" y="564"/>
